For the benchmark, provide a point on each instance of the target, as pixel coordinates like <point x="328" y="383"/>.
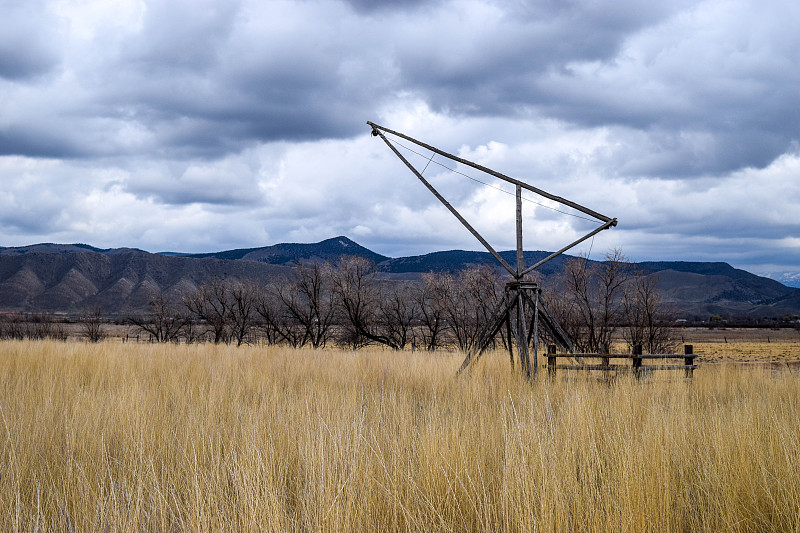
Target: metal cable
<point x="430" y="160"/>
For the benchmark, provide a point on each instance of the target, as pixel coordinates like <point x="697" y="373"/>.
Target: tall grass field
<point x="124" y="437"/>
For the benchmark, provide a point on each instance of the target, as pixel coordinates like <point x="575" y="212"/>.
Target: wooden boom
<point x="499" y="175"/>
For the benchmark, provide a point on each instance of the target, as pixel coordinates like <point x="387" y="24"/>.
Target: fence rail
<point x="636" y="359"/>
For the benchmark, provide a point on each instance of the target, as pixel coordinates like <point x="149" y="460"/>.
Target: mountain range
<point x="66" y="278"/>
<point x="790" y="279"/>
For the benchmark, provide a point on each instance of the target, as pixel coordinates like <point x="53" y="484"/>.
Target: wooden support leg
<point x="688" y="360"/>
<point x="508" y="339"/>
<point x="551" y="360"/>
<point x="522" y="337"/>
<point x="501" y="313"/>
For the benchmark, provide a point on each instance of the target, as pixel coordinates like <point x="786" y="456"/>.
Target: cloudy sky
<point x="203" y="125"/>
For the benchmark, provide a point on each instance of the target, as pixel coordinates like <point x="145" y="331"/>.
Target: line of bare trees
<point x="347" y="304"/>
<point x="31" y="326"/>
<point x="597" y="302"/>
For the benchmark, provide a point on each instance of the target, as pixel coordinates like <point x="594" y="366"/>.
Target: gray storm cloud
<point x="680" y="118"/>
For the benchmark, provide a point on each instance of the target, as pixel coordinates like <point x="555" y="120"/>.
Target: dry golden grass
<point x="772" y="353"/>
<point x="119" y="437"/>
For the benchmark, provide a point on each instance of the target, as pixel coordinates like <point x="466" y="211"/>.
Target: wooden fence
<point x="639" y="363"/>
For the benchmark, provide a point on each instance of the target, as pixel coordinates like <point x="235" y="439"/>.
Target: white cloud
<point x="213" y="125"/>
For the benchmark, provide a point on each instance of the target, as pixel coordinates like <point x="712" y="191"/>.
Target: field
<point x="142" y="437"/>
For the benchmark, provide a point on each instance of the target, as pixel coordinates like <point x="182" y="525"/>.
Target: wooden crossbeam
<point x="540" y="192"/>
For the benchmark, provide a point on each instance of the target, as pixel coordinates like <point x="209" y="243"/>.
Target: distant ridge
<point x="51" y="248"/>
<point x="118" y="283"/>
<point x="286" y="253"/>
<point x="51" y="277"/>
<point x="721" y="282"/>
<point x="455" y="260"/>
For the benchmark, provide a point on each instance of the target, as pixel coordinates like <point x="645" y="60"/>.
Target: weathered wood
<point x="609" y="224"/>
<point x="536" y="331"/>
<point x="501" y="311"/>
<point x="636" y="359"/>
<point x="492" y="328"/>
<point x="489" y="330"/>
<point x="520" y="255"/>
<point x="636" y="362"/>
<point x="551" y="360"/>
<point x="559" y="334"/>
<point x="450" y="208"/>
<point x="540" y="192"/>
<point x="508" y="337"/>
<point x="624" y="368"/>
<point x="623" y="355"/>
<point x="522" y="336"/>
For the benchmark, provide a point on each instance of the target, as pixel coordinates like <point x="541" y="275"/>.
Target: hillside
<point x="71" y="277"/>
<point x="282" y="254"/>
<point x="455" y="260"/>
<point x="118" y="283"/>
<point x="705" y="289"/>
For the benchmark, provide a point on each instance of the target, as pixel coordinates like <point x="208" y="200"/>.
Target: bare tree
<point x="91" y="321"/>
<point x="648" y="318"/>
<point x="592" y="293"/>
<point x="242" y="310"/>
<point x="469" y="303"/>
<point x="191" y="332"/>
<point x="309" y="302"/>
<point x="358" y="296"/>
<point x="273" y="323"/>
<point x="31" y="326"/>
<point x="431" y="300"/>
<point x="212" y="304"/>
<point x="163" y="322"/>
<point x="396" y="313"/>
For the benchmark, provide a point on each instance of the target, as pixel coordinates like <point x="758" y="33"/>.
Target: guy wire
<point x="430" y="160"/>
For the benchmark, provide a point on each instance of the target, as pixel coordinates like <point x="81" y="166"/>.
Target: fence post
<point x="551" y="359"/>
<point x="688" y="360"/>
<point x="637" y="361"/>
<point x="604" y="361"/>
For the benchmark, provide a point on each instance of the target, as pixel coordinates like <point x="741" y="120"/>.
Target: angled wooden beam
<point x="498" y="318"/>
<point x="559" y="334"/>
<point x="540" y="192"/>
<point x="541" y="310"/>
<point x="452" y="209"/>
<point x="521" y="335"/>
<point x="610" y="223"/>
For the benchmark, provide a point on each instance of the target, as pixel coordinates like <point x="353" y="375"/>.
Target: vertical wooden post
<point x="522" y="334"/>
<point x="552" y="360"/>
<point x="637" y="361"/>
<point x="520" y="254"/>
<point x="604" y="361"/>
<point x="535" y="331"/>
<point x="688" y="360"/>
